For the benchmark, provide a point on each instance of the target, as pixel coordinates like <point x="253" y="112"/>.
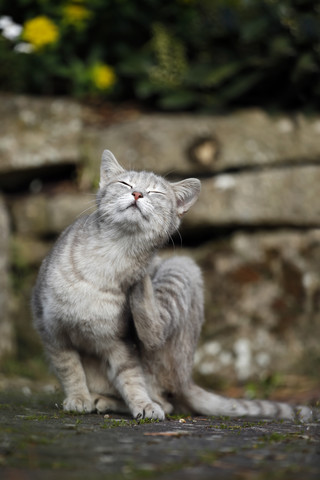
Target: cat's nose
<point x="137" y="195"/>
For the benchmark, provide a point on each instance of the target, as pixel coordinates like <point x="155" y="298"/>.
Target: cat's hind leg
<point x="117" y="382"/>
<point x="104" y="404"/>
<point x="167" y="309"/>
<point x="103" y="394"/>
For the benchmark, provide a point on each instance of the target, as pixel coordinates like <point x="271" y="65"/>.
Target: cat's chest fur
<point x="105" y="264"/>
<point x="89" y="283"/>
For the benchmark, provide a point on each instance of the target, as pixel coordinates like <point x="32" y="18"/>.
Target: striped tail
<point x="206" y="403"/>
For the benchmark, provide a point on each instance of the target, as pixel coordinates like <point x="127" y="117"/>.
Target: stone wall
<point x="254" y="230"/>
<point x="6" y="327"/>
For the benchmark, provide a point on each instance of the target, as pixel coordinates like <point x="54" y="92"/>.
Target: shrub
<point x="184" y="54"/>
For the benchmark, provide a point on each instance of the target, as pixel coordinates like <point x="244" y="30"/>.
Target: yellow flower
<point x="76" y="14"/>
<point x="40" y="31"/>
<point x="103" y="76"/>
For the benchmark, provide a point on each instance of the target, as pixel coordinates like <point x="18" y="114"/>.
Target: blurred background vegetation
<point x="203" y="55"/>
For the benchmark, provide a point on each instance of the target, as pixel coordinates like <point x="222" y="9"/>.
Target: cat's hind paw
<point x="78" y="403"/>
<point x="108" y="404"/>
<point x="151" y="410"/>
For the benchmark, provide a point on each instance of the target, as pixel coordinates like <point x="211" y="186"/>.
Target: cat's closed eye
<point x="125" y="183"/>
<point x="155" y="192"/>
<point x="151" y="192"/>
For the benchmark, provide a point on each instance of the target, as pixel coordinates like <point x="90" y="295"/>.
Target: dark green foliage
<point x="206" y="55"/>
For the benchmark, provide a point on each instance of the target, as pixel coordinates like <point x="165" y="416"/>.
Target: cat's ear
<point x="187" y="193"/>
<point x="109" y="167"/>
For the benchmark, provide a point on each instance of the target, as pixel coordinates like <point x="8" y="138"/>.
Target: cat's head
<point x="142" y="202"/>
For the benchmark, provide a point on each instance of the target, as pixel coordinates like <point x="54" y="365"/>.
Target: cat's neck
<point x="123" y="257"/>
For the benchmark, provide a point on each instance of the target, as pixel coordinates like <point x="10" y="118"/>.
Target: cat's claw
<point x="150" y="410"/>
<point x="78" y="403"/>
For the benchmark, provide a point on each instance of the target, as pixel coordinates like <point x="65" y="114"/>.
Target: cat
<point x="120" y="325"/>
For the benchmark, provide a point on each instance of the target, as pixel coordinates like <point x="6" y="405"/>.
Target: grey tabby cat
<point x="119" y="324"/>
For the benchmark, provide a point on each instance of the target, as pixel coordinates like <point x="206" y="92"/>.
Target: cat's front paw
<point x="78" y="403"/>
<point x="150" y="410"/>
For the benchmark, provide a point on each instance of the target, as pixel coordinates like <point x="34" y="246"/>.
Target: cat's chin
<point x="132" y="221"/>
<point x="135" y="214"/>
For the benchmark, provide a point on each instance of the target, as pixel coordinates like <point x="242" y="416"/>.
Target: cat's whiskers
<point x="89" y="219"/>
<point x="101" y="216"/>
<point x="86" y="210"/>
<point x="148" y="208"/>
<point x="91" y="207"/>
<point x="180" y="236"/>
<point x="172" y="241"/>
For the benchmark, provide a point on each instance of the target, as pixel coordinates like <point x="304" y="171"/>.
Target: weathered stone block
<point x="6" y="331"/>
<point x="262" y="305"/>
<point x="49" y="214"/>
<point x="192" y="144"/>
<point x="287" y="196"/>
<point x="38" y="131"/>
<point x="28" y="252"/>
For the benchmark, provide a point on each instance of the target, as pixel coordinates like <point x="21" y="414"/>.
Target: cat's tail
<point x="206" y="403"/>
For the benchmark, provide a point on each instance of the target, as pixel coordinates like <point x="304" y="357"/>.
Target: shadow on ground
<point x="38" y="440"/>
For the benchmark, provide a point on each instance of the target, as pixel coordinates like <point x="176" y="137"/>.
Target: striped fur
<point x="120" y="326"/>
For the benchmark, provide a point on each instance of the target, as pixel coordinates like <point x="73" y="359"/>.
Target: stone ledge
<point x="187" y="144"/>
<point x="275" y="197"/>
<point x="38" y="131"/>
<point x="46" y="131"/>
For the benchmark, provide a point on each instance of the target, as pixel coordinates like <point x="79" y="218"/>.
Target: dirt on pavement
<point x="38" y="440"/>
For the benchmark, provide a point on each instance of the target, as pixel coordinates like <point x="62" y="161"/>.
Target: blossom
<point x="23" y="47"/>
<point x="10" y="29"/>
<point x="76" y="14"/>
<point x="5" y="21"/>
<point x="40" y="32"/>
<point x="103" y="76"/>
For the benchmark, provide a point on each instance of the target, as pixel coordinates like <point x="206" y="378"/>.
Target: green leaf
<point x="305" y="66"/>
<point x="281" y="46"/>
<point x="206" y="76"/>
<point x="177" y="100"/>
<point x="241" y="85"/>
<point x="134" y="65"/>
<point x="145" y="88"/>
<point x="255" y="29"/>
<point x="223" y="73"/>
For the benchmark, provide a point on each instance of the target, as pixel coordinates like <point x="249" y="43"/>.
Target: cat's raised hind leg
<point x="162" y="303"/>
<point x="167" y="309"/>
